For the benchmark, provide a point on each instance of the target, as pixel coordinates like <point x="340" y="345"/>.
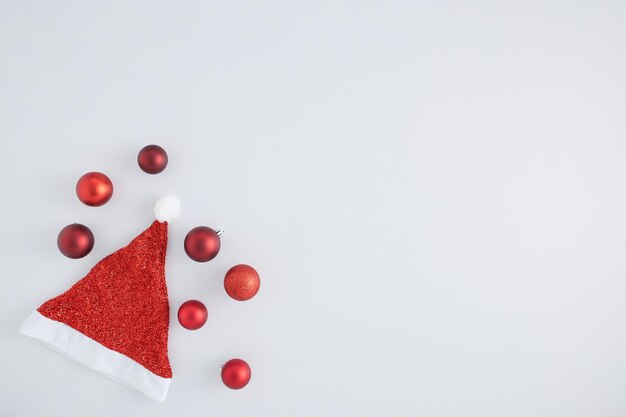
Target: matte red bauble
<point x="192" y="315"/>
<point x="152" y="159"/>
<point x="242" y="282"/>
<point x="94" y="189"/>
<point x="75" y="241"/>
<point x="236" y="373"/>
<point x="202" y="244"/>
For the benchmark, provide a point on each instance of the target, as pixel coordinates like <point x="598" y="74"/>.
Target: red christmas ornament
<point x="192" y="315"/>
<point x="94" y="189"/>
<point x="75" y="241"/>
<point x="236" y="373"/>
<point x="242" y="282"/>
<point x="202" y="243"/>
<point x="152" y="159"/>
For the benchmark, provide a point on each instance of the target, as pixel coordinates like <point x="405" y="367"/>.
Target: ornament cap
<point x="167" y="209"/>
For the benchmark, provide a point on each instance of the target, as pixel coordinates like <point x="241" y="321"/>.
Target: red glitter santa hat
<point x="115" y="320"/>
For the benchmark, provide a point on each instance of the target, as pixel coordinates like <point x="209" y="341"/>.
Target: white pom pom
<point x="167" y="208"/>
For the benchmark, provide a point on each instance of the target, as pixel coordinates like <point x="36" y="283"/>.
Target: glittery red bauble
<point x="152" y="159"/>
<point x="75" y="241"/>
<point x="202" y="244"/>
<point x="236" y="373"/>
<point x="242" y="282"/>
<point x="94" y="189"/>
<point x="192" y="315"/>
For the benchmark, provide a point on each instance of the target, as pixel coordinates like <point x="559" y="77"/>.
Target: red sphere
<point x="236" y="373"/>
<point x="202" y="244"/>
<point x="75" y="241"/>
<point x="94" y="189"/>
<point x="192" y="315"/>
<point x="152" y="159"/>
<point x="242" y="282"/>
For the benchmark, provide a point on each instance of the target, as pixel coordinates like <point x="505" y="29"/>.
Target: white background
<point x="433" y="192"/>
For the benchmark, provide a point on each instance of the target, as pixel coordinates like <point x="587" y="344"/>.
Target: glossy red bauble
<point x="94" y="189"/>
<point x="75" y="241"/>
<point x="236" y="373"/>
<point x="192" y="315"/>
<point x="152" y="159"/>
<point x="202" y="244"/>
<point x="242" y="282"/>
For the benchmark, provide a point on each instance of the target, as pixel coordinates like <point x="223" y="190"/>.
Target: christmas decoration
<point x="75" y="241"/>
<point x="192" y="315"/>
<point x="152" y="159"/>
<point x="242" y="282"/>
<point x="115" y="320"/>
<point x="236" y="373"/>
<point x="94" y="189"/>
<point x="202" y="243"/>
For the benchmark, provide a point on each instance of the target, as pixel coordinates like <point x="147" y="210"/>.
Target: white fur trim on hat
<point x="90" y="353"/>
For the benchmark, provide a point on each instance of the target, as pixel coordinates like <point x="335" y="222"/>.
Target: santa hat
<point x="116" y="319"/>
